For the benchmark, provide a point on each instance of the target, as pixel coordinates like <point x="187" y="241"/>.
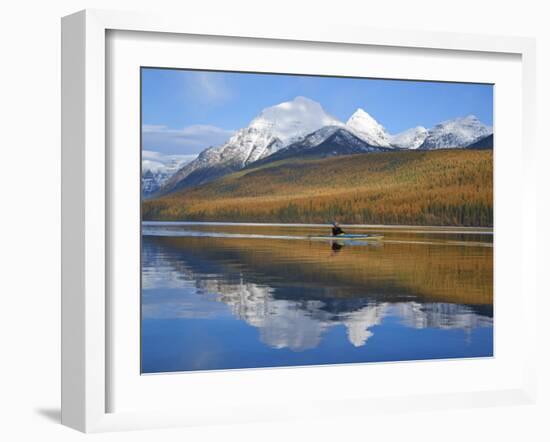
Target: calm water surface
<point x="239" y="296"/>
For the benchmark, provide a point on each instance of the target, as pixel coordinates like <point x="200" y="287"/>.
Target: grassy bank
<point x="444" y="187"/>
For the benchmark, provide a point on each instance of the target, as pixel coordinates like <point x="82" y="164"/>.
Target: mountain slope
<point x="440" y="187"/>
<point x="410" y="138"/>
<point x="368" y="129"/>
<point x="325" y="142"/>
<point x="483" y="143"/>
<point x="458" y="132"/>
<point x="275" y="127"/>
<point x="156" y="169"/>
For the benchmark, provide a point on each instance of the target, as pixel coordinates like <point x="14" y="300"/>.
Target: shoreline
<point x="406" y="228"/>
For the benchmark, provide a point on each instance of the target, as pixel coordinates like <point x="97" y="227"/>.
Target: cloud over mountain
<point x="188" y="140"/>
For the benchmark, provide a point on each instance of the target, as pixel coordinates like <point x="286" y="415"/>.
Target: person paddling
<point x="336" y="229"/>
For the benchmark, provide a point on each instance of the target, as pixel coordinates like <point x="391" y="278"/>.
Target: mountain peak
<point x="325" y="142"/>
<point x="360" y="112"/>
<point x="410" y="138"/>
<point x="368" y="128"/>
<point x="457" y="132"/>
<point x="467" y="119"/>
<point x="293" y="119"/>
<point x="360" y="115"/>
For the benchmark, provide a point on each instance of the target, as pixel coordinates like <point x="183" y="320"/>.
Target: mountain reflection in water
<point x="310" y="302"/>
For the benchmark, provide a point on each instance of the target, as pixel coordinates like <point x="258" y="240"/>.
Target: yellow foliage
<point x="442" y="187"/>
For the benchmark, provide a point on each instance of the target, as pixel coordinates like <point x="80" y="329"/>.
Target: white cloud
<point x="150" y="154"/>
<point x="153" y="127"/>
<point x="189" y="140"/>
<point x="209" y="87"/>
<point x="158" y="162"/>
<point x="153" y="166"/>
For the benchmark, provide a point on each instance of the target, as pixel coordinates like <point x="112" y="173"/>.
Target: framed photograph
<point x="263" y="223"/>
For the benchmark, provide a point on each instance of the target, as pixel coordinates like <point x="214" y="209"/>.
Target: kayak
<point x="348" y="236"/>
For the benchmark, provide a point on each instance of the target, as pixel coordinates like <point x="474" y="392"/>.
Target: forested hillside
<point x="440" y="187"/>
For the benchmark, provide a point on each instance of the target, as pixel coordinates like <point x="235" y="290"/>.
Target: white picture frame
<point x="86" y="200"/>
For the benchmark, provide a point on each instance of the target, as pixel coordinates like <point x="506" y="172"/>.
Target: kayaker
<point x="336" y="229"/>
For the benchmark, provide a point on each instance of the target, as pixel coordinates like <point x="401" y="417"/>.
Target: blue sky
<point x="183" y="112"/>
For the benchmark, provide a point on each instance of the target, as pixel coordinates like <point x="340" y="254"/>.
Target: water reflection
<point x="295" y="294"/>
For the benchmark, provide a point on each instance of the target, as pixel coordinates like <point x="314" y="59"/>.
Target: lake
<point x="226" y="296"/>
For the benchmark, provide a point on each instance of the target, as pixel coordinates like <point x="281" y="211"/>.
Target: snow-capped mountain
<point x="302" y="127"/>
<point x="291" y="120"/>
<point x="410" y="138"/>
<point x="298" y="121"/>
<point x="151" y="182"/>
<point x="368" y="129"/>
<point x="325" y="142"/>
<point x="456" y="133"/>
<point x="274" y="128"/>
<point x="483" y="143"/>
<point x="156" y="169"/>
<point x="315" y="138"/>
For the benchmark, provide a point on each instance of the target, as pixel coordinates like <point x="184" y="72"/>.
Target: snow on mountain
<point x="360" y="134"/>
<point x="317" y="137"/>
<point x="410" y="138"/>
<point x="483" y="143"/>
<point x="157" y="168"/>
<point x="456" y="133"/>
<point x="292" y="128"/>
<point x="325" y="142"/>
<point x="368" y="129"/>
<point x="274" y="128"/>
<point x="290" y="120"/>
